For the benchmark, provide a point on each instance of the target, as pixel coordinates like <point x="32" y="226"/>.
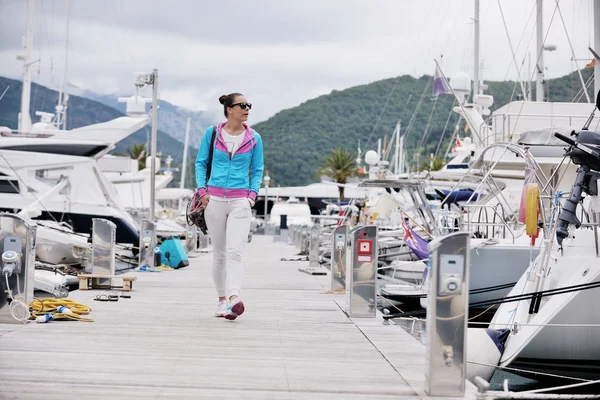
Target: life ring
<point x="532" y="201"/>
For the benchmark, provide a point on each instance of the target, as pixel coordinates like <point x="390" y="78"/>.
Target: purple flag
<point x="415" y="243"/>
<point x="440" y="86"/>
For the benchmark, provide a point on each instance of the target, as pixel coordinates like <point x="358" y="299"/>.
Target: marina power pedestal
<point x="313" y="246"/>
<point x="362" y="276"/>
<point x="191" y="239"/>
<point x="447" y="314"/>
<point x="147" y="243"/>
<point x="104" y="234"/>
<point x="17" y="245"/>
<point x="339" y="240"/>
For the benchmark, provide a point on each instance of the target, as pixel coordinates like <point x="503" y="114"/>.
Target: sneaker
<point x="221" y="309"/>
<point x="235" y="309"/>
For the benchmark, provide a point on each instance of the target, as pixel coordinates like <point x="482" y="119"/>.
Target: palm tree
<point x="437" y="163"/>
<point x="339" y="165"/>
<point x="137" y="152"/>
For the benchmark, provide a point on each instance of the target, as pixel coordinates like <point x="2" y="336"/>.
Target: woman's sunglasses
<point x="243" y="106"/>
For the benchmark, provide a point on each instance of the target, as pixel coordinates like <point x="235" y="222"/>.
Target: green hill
<point x="83" y="111"/>
<point x="296" y="140"/>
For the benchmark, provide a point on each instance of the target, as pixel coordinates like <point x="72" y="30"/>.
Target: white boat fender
<point x="64" y="310"/>
<point x="42" y="319"/>
<point x="484" y="349"/>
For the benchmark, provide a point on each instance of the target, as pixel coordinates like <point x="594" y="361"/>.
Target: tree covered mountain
<point x="173" y="119"/>
<point x="82" y="111"/>
<point x="297" y="140"/>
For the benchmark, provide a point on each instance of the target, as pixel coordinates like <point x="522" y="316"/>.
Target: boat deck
<point x="293" y="342"/>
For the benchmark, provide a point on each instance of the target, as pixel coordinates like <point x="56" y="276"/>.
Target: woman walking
<point x="228" y="195"/>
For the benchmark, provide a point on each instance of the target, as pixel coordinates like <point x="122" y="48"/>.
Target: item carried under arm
<point x="204" y="160"/>
<point x="256" y="168"/>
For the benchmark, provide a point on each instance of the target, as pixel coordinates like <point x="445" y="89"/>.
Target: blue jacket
<point x="232" y="177"/>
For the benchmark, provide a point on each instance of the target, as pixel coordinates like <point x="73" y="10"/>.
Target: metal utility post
<point x="596" y="46"/>
<point x="338" y="257"/>
<point x="266" y="180"/>
<point x="185" y="152"/>
<point x="143" y="80"/>
<point x="147" y="244"/>
<point x="154" y="78"/>
<point x="361" y="280"/>
<point x="447" y="314"/>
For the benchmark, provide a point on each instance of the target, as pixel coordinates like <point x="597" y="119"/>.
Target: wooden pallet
<point x="91" y="281"/>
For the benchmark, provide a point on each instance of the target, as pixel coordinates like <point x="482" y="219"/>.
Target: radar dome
<point x="371" y="157"/>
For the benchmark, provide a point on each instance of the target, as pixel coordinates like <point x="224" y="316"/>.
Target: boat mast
<point x="539" y="88"/>
<point x="476" y="54"/>
<point x="63" y="98"/>
<point x="185" y="152"/>
<point x="24" y="116"/>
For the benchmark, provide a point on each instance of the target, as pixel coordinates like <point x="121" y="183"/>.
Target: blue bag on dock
<point x="173" y="254"/>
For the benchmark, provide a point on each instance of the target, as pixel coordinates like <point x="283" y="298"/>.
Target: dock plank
<point x="293" y="342"/>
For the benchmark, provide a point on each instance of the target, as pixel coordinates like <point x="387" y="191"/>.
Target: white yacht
<point x="554" y="326"/>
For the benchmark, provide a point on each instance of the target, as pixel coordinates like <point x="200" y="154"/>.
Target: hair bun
<point x="222" y="99"/>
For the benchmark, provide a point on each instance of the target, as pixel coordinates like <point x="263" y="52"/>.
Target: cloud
<point x="279" y="53"/>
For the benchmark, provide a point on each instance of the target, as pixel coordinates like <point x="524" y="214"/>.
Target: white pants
<point x="228" y="223"/>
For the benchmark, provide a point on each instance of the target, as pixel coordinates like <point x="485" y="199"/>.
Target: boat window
<point x="52" y="176"/>
<point x="80" y="150"/>
<point x="9" y="186"/>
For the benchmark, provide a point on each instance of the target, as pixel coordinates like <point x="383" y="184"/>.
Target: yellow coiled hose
<point x="40" y="307"/>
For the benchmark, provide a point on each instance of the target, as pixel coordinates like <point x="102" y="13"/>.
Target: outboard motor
<point x="585" y="152"/>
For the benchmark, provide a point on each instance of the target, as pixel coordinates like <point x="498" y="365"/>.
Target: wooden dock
<point x="293" y="342"/>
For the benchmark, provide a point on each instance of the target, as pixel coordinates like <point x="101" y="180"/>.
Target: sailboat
<point x="551" y="314"/>
<point x="549" y="320"/>
<point x="52" y="174"/>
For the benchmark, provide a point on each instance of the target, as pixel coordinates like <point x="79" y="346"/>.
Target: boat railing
<point x="482" y="220"/>
<point x="499" y="222"/>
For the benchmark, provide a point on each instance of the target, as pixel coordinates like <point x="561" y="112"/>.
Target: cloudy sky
<point x="281" y="53"/>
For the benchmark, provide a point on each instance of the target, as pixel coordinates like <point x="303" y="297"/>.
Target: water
<point x="515" y="382"/>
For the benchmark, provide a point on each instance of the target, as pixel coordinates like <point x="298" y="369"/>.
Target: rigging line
<point x="397" y="79"/>
<point x="587" y="96"/>
<point x="3" y="93"/>
<point x="448" y="37"/>
<point x="132" y="59"/>
<point x="579" y="93"/>
<point x="513" y="52"/>
<point x="32" y="192"/>
<point x="504" y="83"/>
<point x="445" y="127"/>
<point x="535" y="69"/>
<point x="456" y="131"/>
<point x="573" y="385"/>
<point x="529" y="371"/>
<point x="382" y="111"/>
<point x="437" y="32"/>
<point x="426" y="132"/>
<point x="415" y="113"/>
